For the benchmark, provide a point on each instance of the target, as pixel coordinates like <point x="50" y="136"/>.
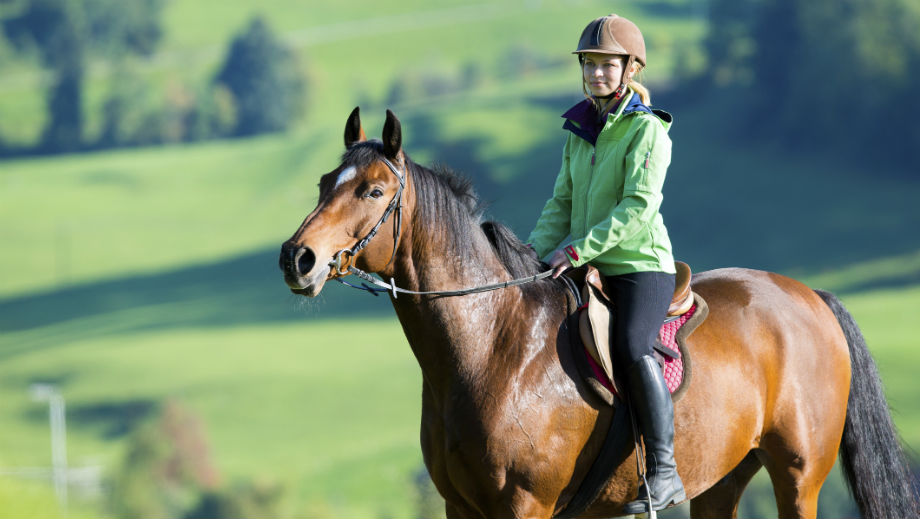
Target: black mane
<point x="449" y="199"/>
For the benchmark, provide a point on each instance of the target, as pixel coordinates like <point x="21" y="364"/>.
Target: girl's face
<point x="602" y="73"/>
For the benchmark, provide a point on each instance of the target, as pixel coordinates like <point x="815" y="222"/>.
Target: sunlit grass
<point x="325" y="409"/>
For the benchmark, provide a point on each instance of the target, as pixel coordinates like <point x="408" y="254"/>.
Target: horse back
<point x="763" y="321"/>
<point x="769" y="355"/>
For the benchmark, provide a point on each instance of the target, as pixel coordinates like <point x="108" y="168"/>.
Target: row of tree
<point x="258" y="88"/>
<point x="837" y="75"/>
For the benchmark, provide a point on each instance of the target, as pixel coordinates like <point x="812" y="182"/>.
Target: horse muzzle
<point x="301" y="272"/>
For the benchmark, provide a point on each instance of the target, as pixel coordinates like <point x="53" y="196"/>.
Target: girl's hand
<point x="559" y="261"/>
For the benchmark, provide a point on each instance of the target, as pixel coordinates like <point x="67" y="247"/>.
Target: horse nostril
<point x="305" y="260"/>
<point x="294" y="260"/>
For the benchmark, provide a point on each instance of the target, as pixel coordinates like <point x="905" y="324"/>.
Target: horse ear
<point x="392" y="136"/>
<point x="353" y="131"/>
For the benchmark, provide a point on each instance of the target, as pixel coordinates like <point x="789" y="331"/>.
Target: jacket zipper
<point x="584" y="216"/>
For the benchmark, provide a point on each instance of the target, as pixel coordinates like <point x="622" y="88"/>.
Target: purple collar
<point x="582" y="119"/>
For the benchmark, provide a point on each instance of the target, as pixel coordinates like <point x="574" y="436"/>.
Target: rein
<point x="395" y="290"/>
<point x="340" y="266"/>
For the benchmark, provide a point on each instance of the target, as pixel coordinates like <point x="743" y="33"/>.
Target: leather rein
<point x="340" y="266"/>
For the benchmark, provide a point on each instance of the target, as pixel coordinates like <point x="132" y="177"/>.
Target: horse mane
<point x="448" y="198"/>
<point x="519" y="259"/>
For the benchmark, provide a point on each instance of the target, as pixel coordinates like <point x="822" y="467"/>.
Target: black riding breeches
<point x="641" y="301"/>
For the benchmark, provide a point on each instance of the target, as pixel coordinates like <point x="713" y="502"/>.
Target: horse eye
<point x="376" y="193"/>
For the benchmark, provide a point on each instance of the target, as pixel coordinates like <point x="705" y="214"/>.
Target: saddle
<point x="594" y="327"/>
<point x="686" y="312"/>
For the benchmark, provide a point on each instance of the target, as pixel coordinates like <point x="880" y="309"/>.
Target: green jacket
<point x="607" y="194"/>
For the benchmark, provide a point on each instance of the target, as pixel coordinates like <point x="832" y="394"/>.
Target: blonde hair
<point x="638" y="87"/>
<point x="633" y="84"/>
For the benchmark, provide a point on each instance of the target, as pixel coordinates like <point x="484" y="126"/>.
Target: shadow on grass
<point x="113" y="419"/>
<point x="236" y="291"/>
<point x="116" y="419"/>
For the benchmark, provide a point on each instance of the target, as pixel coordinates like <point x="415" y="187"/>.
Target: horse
<point x="782" y="375"/>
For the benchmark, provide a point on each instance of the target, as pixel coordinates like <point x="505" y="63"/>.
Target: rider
<point x="606" y="200"/>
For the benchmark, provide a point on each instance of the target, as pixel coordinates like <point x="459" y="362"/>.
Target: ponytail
<point x="638" y="87"/>
<point x="643" y="92"/>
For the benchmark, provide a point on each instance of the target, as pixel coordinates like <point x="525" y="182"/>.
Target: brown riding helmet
<point x="613" y="34"/>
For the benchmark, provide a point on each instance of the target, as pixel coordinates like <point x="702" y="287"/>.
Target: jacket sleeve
<point x="554" y="222"/>
<point x="646" y="163"/>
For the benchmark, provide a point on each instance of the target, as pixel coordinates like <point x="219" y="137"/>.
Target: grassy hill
<point x="133" y="277"/>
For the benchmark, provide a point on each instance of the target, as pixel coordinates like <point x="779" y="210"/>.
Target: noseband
<point x="339" y="264"/>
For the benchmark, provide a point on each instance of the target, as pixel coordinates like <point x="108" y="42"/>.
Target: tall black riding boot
<point x="654" y="411"/>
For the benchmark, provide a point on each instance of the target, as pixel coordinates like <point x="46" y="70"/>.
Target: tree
<point x="242" y="500"/>
<point x="265" y="80"/>
<point x="64" y="32"/>
<point x="166" y="467"/>
<point x="821" y="73"/>
<point x="53" y="26"/>
<point x="117" y="27"/>
<point x="729" y="44"/>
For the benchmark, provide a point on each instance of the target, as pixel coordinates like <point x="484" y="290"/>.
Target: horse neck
<point x="454" y="337"/>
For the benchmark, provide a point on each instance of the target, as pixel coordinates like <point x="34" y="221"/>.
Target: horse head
<point x="356" y="199"/>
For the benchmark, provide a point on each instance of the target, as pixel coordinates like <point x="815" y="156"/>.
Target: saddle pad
<point x="671" y="335"/>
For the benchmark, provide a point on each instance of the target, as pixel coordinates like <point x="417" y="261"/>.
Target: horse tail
<point x="874" y="465"/>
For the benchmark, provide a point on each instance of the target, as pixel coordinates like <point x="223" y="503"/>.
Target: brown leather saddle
<point x="687" y="310"/>
<point x="594" y="319"/>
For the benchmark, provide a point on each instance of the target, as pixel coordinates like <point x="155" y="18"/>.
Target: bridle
<point x="340" y="266"/>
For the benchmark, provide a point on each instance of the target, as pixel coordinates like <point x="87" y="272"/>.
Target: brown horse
<point x="781" y="372"/>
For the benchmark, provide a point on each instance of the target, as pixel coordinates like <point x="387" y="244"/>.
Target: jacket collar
<point x="582" y="119"/>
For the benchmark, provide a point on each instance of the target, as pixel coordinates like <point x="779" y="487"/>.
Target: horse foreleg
<point x="721" y="500"/>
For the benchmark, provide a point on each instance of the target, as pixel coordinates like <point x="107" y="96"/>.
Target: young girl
<point x="606" y="200"/>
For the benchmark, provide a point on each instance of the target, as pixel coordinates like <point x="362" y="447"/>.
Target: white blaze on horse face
<point x="346" y="175"/>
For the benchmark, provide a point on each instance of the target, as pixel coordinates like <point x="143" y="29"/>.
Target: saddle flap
<point x="595" y="280"/>
<point x="594" y="321"/>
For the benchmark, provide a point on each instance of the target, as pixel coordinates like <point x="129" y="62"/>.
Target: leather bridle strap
<point x="342" y="268"/>
<point x="338" y="265"/>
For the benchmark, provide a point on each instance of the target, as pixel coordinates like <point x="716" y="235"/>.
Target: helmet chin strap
<point x="614" y="95"/>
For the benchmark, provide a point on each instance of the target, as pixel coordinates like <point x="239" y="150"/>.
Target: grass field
<point x="329" y="414"/>
<point x="134" y="277"/>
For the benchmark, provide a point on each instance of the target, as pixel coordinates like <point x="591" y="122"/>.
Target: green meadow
<point x="132" y="278"/>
